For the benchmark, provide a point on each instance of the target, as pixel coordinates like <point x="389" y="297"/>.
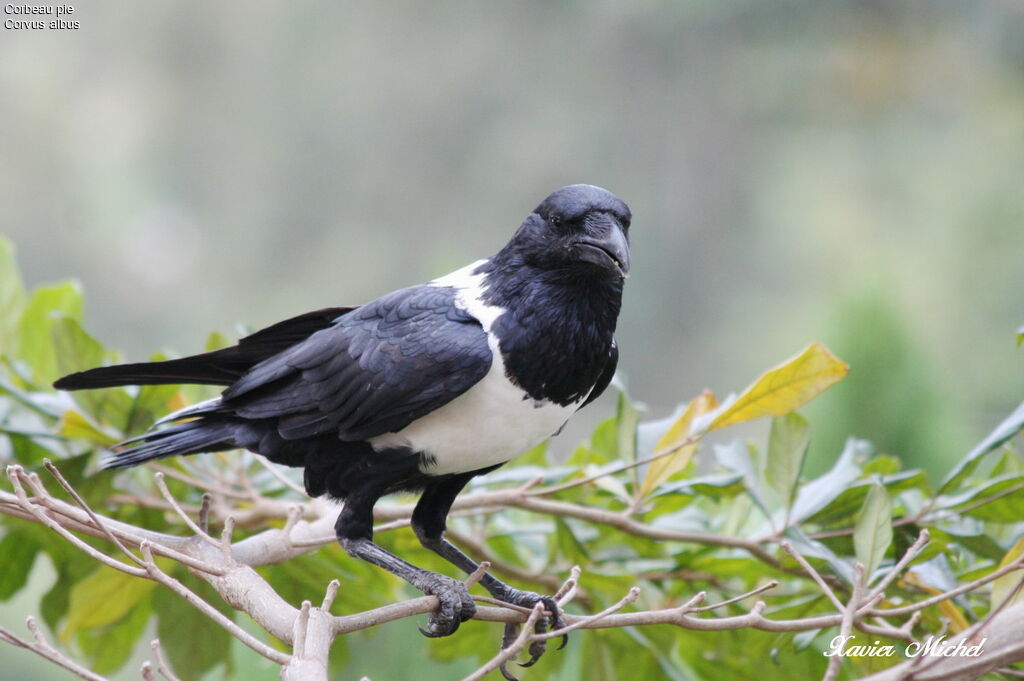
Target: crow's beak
<point x="607" y="248"/>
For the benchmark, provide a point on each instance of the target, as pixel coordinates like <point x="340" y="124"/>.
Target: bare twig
<point x="198" y="483"/>
<point x="570" y="587"/>
<point x="281" y="477"/>
<point x="301" y="623"/>
<point x="204" y="513"/>
<point x="41" y="647"/>
<point x="814" y="574"/>
<point x="512" y="650"/>
<point x="196" y="601"/>
<point x="332" y="593"/>
<point x="835" y="662"/>
<point x="612" y="470"/>
<point x="85" y="507"/>
<point x="634" y="593"/>
<point x="94" y="524"/>
<point x="897" y="569"/>
<point x="225" y="565"/>
<point x="16" y="475"/>
<point x="952" y="593"/>
<point x="479" y="552"/>
<point x="161" y="663"/>
<point x="225" y="538"/>
<point x="161" y="485"/>
<point x="693" y="604"/>
<point x="477" y="574"/>
<point x="736" y="599"/>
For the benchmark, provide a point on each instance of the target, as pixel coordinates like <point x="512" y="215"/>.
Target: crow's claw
<point x="537" y="648"/>
<point x="510" y="634"/>
<point x="506" y="673"/>
<point x="455" y="607"/>
<point x="552" y="621"/>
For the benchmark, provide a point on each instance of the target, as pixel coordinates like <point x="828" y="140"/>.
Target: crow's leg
<point x="428" y="522"/>
<point x="354" y="530"/>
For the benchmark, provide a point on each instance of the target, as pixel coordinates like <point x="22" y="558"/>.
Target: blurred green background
<point x="850" y="172"/>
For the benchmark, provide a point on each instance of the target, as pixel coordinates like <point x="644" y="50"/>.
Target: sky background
<point x="837" y="171"/>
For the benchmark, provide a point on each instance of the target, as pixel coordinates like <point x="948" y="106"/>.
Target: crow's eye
<point x="555" y="221"/>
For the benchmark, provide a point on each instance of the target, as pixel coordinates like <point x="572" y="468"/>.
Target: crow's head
<point x="580" y="228"/>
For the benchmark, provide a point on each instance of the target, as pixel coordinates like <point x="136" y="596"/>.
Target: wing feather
<point x="374" y="371"/>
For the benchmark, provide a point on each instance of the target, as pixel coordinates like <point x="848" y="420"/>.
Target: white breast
<point x="491" y="422"/>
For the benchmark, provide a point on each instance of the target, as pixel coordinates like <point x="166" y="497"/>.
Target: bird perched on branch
<point x="421" y="389"/>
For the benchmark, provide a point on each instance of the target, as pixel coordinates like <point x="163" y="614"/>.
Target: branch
<point x="41" y="647"/>
<point x="1003" y="638"/>
<point x="228" y="566"/>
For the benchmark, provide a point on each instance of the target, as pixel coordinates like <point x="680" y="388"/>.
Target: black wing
<point x="606" y="374"/>
<point x="374" y="371"/>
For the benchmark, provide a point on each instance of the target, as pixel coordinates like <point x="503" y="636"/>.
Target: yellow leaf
<point x="786" y="387"/>
<point x="956" y="619"/>
<point x="74" y="425"/>
<point x="1004" y="586"/>
<point x="662" y="469"/>
<point x="177" y="401"/>
<point x="102" y="598"/>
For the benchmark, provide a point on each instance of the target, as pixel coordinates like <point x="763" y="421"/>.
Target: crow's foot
<point x="551" y="621"/>
<point x="456" y="605"/>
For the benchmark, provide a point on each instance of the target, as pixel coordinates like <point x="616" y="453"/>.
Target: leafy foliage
<point x="659" y="473"/>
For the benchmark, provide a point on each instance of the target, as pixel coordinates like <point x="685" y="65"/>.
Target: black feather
<point x="373" y="371"/>
<point x="219" y="367"/>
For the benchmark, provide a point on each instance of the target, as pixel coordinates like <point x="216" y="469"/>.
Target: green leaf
<point x="738" y="457"/>
<point x="882" y="465"/>
<point x="787" y="447"/>
<point x="27" y="450"/>
<point x="74" y="425"/>
<point x="538" y="456"/>
<point x="1020" y="336"/>
<point x="711" y="486"/>
<point x="626" y="418"/>
<point x="108" y="648"/>
<point x="70" y="571"/>
<point x="151" y="402"/>
<point x="818" y="493"/>
<point x="872" y="534"/>
<point x="34" y="342"/>
<point x="998" y="500"/>
<point x="102" y="598"/>
<point x="12" y="295"/>
<point x="851" y="498"/>
<point x="75" y="351"/>
<point x="804" y="639"/>
<point x="812" y="548"/>
<point x="217" y="341"/>
<point x="568" y="545"/>
<point x="1010" y="426"/>
<point x="603" y="445"/>
<point x="18" y="550"/>
<point x="194" y="643"/>
<point x="980" y="544"/>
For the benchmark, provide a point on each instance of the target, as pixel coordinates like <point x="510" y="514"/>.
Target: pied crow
<point x="421" y="389"/>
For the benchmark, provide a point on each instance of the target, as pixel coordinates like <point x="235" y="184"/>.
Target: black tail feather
<point x="219" y="367"/>
<point x="191" y="437"/>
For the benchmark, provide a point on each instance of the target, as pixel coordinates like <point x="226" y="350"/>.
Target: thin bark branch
<point x="41" y="647"/>
<point x="227" y="566"/>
